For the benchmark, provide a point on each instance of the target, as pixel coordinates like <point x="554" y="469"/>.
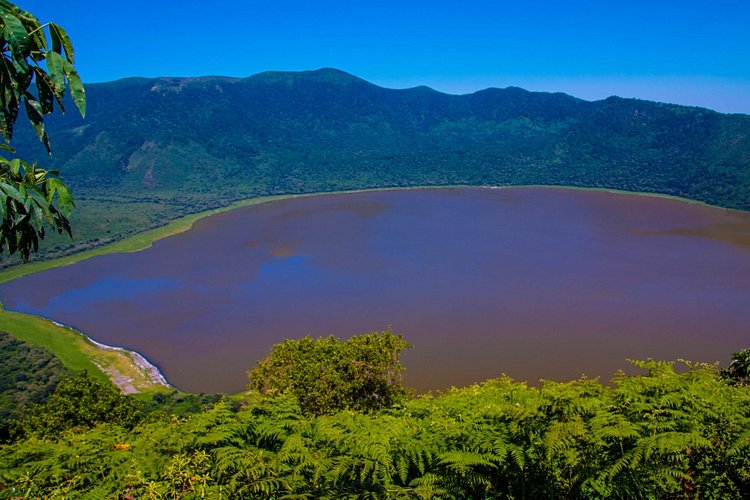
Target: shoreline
<point x="152" y="372"/>
<point x="144" y="240"/>
<point x="127" y="370"/>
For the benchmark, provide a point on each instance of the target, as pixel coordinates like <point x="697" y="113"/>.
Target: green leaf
<point x="76" y="87"/>
<point x="36" y="117"/>
<point x="60" y="37"/>
<point x="45" y="90"/>
<point x="65" y="199"/>
<point x="39" y="216"/>
<point x="56" y="72"/>
<point x="18" y="39"/>
<point x="15" y="166"/>
<point x="11" y="192"/>
<point x="11" y="87"/>
<point x="40" y="208"/>
<point x="56" y="40"/>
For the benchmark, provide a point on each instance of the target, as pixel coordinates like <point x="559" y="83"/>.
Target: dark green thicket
<point x="657" y="435"/>
<point x="180" y="404"/>
<point x="28" y="374"/>
<point x="78" y="403"/>
<point x="738" y="371"/>
<point x="153" y="149"/>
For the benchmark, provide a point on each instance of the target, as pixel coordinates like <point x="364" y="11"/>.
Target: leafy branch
<point x="33" y="56"/>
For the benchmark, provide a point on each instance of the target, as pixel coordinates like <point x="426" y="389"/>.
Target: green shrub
<point x="328" y="375"/>
<point x="79" y="402"/>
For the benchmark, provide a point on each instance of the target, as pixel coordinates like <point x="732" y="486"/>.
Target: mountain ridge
<point x="152" y="149"/>
<point x="281" y="74"/>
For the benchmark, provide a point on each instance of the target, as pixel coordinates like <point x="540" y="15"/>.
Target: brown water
<point x="532" y="282"/>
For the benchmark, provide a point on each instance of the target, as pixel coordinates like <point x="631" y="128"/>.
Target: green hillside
<point x="151" y="150"/>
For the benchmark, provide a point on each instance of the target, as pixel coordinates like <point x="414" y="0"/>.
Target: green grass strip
<point x="65" y="343"/>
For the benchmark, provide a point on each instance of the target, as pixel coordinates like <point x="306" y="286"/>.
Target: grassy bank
<point x="77" y="352"/>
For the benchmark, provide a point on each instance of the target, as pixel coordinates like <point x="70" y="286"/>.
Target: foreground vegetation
<point x="326" y="375"/>
<point x="660" y="434"/>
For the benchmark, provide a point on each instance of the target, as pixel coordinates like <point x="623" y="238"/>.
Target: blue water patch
<point x="105" y="290"/>
<point x="294" y="271"/>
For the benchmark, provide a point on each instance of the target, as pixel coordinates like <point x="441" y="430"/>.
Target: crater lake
<point x="531" y="282"/>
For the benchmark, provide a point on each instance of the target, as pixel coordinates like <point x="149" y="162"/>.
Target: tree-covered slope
<point x="28" y="373"/>
<point x="151" y="149"/>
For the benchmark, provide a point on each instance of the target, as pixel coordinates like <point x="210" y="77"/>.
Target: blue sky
<point x="688" y="52"/>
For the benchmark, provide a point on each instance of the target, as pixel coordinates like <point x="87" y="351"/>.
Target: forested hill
<point x="167" y="146"/>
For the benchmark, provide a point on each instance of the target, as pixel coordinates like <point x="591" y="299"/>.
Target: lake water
<point x="532" y="282"/>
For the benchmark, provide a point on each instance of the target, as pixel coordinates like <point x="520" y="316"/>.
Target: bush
<point x="328" y="375"/>
<point x="79" y="402"/>
<point x="738" y="371"/>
